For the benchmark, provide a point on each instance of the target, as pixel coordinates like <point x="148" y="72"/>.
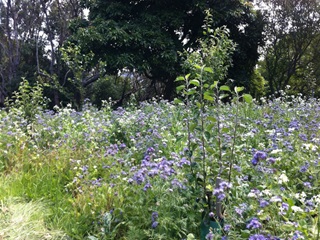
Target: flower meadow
<point x="140" y="172"/>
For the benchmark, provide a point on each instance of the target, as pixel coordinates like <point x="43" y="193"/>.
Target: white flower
<point x="283" y="179"/>
<point x="267" y="192"/>
<point x="275" y="199"/>
<point x="301" y="196"/>
<point x="276" y="151"/>
<point x="309" y="146"/>
<point x="296" y="209"/>
<point x="252" y="195"/>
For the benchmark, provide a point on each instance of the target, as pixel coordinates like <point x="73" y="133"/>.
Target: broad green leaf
<point x="192" y="126"/>
<point x="238" y="89"/>
<point x="212" y="119"/>
<point x="179" y="88"/>
<point x="208" y="97"/>
<point x="191" y="91"/>
<point x="247" y="98"/>
<point x="180" y="78"/>
<point x="208" y="69"/>
<point x="198" y="104"/>
<point x="222" y="96"/>
<point x="197" y="66"/>
<point x="214" y="85"/>
<point x="210" y="150"/>
<point x="210" y="126"/>
<point x="206" y="85"/>
<point x="177" y="101"/>
<point x="225" y="130"/>
<point x="225" y="88"/>
<point x="195" y="82"/>
<point x="245" y="233"/>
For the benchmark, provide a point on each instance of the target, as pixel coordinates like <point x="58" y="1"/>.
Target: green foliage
<point x="106" y="89"/>
<point x="146" y="36"/>
<point x="211" y="158"/>
<point x="27" y="101"/>
<point x="258" y="85"/>
<point x="214" y="52"/>
<point x="290" y="57"/>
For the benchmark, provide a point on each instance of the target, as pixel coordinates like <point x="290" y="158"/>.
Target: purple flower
<point x="271" y="160"/>
<point x="209" y="236"/>
<point x="148" y="185"/>
<point x="307" y="184"/>
<point x="285" y="206"/>
<point x="227" y="227"/>
<point x="211" y="214"/>
<point x="263" y="203"/>
<point x="154" y="216"/>
<point x="176" y="183"/>
<point x="297" y="235"/>
<point x="154" y="224"/>
<point x="254" y="224"/>
<point x="242" y="207"/>
<point x="183" y="161"/>
<point x="257" y="237"/>
<point x="219" y="192"/>
<point x="259" y="155"/>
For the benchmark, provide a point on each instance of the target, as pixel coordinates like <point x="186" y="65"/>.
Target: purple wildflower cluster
<point x="254" y="224"/>
<point x="258" y="156"/>
<point x="219" y="192"/>
<point x="154" y="222"/>
<point x="209" y="236"/>
<point x="151" y="167"/>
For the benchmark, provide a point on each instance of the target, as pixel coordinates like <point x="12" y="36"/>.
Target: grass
<point x="21" y="220"/>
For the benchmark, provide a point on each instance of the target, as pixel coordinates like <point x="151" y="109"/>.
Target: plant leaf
<point x="195" y="82"/>
<point x="180" y="78"/>
<point x="208" y="69"/>
<point x="238" y="89"/>
<point x="247" y="98"/>
<point x="225" y="88"/>
<point x="179" y="88"/>
<point x="208" y="97"/>
<point x="214" y="85"/>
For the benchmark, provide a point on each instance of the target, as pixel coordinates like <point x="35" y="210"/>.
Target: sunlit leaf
<point x="180" y="78"/>
<point x="195" y="82"/>
<point x="179" y="88"/>
<point x="238" y="89"/>
<point x="212" y="119"/>
<point x="214" y="85"/>
<point x="208" y="69"/>
<point x="208" y="97"/>
<point x="225" y="88"/>
<point x="247" y="98"/>
<point x="177" y="101"/>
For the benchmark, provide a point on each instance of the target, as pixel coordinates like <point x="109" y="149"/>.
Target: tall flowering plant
<point x="211" y="153"/>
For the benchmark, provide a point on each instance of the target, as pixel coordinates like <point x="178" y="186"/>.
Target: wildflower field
<point x="162" y="170"/>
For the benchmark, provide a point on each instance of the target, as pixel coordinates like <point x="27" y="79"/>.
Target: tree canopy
<point x="293" y="42"/>
<point x="147" y="36"/>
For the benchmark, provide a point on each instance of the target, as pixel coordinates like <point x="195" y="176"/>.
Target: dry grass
<point x="25" y="221"/>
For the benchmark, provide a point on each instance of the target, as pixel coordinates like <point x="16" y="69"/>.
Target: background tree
<point x="31" y="35"/>
<point x="146" y="36"/>
<point x="19" y="20"/>
<point x="292" y="45"/>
